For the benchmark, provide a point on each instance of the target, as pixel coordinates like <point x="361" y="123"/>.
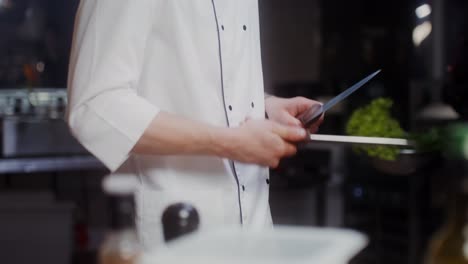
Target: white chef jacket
<point x="199" y="59"/>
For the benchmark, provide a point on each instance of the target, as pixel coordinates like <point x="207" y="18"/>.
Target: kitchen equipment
<point x="32" y="124"/>
<point x="312" y="115"/>
<point x="283" y="244"/>
<point x="33" y="136"/>
<point x="178" y="220"/>
<point x="362" y="140"/>
<point x="121" y="245"/>
<point x="408" y="161"/>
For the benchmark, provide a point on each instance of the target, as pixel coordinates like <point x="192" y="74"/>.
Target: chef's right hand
<point x="263" y="142"/>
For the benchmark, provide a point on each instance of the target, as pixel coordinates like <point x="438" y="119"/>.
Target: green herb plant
<point x="375" y="120"/>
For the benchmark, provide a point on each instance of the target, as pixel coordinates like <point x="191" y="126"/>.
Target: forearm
<point x="173" y="135"/>
<point x="256" y="141"/>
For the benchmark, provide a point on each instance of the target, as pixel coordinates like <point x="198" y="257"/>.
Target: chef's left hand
<point x="286" y="110"/>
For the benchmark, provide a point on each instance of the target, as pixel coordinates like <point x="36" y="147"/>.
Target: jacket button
<point x="222" y="27"/>
<point x="252" y="104"/>
<point x="244" y="27"/>
<point x="230" y="108"/>
<point x="243" y="188"/>
<point x="268" y="181"/>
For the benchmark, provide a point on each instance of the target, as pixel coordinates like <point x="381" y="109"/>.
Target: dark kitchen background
<point x="52" y="206"/>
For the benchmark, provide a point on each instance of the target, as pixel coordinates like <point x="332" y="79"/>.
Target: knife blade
<point x="312" y="114"/>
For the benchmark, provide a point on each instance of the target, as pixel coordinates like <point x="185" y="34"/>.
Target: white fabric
<point x="134" y="58"/>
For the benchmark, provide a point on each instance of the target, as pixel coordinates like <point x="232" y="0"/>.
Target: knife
<point x="313" y="114"/>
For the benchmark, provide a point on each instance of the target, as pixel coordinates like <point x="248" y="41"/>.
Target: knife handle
<point x="312" y="115"/>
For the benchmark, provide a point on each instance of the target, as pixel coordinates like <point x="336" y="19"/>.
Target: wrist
<point x="222" y="141"/>
<point x="269" y="102"/>
<point x="267" y="95"/>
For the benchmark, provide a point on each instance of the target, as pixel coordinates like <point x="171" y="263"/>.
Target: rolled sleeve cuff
<point x="110" y="126"/>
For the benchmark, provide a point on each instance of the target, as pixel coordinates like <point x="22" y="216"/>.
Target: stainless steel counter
<point x="49" y="164"/>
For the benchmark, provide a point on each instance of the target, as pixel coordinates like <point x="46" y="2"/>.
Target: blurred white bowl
<point x="291" y="245"/>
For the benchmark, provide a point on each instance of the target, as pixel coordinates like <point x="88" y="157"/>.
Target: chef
<point x="171" y="92"/>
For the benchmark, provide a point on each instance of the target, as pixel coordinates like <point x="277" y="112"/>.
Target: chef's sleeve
<point x="105" y="112"/>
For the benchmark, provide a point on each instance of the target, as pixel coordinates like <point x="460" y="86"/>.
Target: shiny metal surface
<point x="48" y="164"/>
<point x="31" y="124"/>
<point x="310" y="116"/>
<point x="44" y="102"/>
<point x="33" y="136"/>
<point x="362" y="140"/>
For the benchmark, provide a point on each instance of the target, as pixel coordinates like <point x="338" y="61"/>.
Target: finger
<point x="320" y="121"/>
<point x="290" y="150"/>
<point x="289" y="133"/>
<point x="274" y="163"/>
<point x="316" y="125"/>
<point x="313" y="129"/>
<point x="290" y="120"/>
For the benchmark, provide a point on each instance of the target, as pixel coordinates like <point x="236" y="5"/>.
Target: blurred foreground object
<point x="450" y="244"/>
<point x="178" y="220"/>
<point x="121" y="246"/>
<point x="292" y="245"/>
